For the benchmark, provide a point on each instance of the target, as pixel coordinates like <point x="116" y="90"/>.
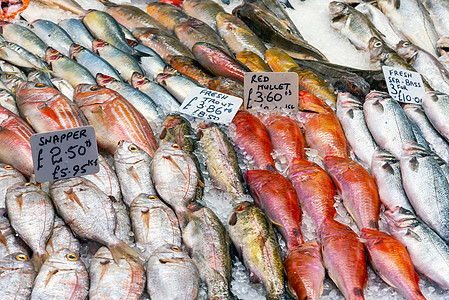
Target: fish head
<point x="378" y="50"/>
<point x="29" y="91"/>
<point x="16" y="261"/>
<point x="138" y="80"/>
<point x="98" y="45"/>
<point x="204" y="48"/>
<point x="74" y="50"/>
<point x="338" y="10"/>
<point x="169" y="253"/>
<point x="91" y="94"/>
<point x="407" y="50"/>
<point x="64" y="259"/>
<point x="162" y="78"/>
<point x="52" y="55"/>
<point x="333" y="229"/>
<point x="443" y="45"/>
<point x="104" y="80"/>
<point x="145" y="33"/>
<point x="239" y="209"/>
<point x="225" y="21"/>
<point x="399" y="218"/>
<point x="132" y="43"/>
<point x="302" y="170"/>
<point x="371" y="236"/>
<point x="130" y="153"/>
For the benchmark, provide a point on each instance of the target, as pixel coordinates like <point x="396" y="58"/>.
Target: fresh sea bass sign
<point x="210" y="105"/>
<point x="64" y="153"/>
<point x="403" y="85"/>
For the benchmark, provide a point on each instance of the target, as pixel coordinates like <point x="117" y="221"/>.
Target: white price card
<point x="403" y="85"/>
<point x="271" y="90"/>
<point x="210" y="105"/>
<point x="64" y="153"/>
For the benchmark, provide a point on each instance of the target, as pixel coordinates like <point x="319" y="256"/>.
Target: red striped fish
<point x="47" y="109"/>
<point x="114" y="118"/>
<point x="15" y="148"/>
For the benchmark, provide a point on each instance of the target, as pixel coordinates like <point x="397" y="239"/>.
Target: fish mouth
<point x="52" y="54"/>
<point x="103" y="79"/>
<point x="137" y="79"/>
<point x="98" y="44"/>
<point x="74" y="49"/>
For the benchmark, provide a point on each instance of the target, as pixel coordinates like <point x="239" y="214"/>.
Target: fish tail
<point x="39" y="257"/>
<point x="121" y="249"/>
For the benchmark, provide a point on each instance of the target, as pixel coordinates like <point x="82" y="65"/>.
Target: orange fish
<point x="275" y="195"/>
<point x="114" y="118"/>
<point x="47" y="109"/>
<point x="285" y="135"/>
<point x="357" y="188"/>
<point x="305" y="271"/>
<point x="344" y="258"/>
<point x="314" y="188"/>
<point x="392" y="262"/>
<point x="252" y="137"/>
<point x="191" y="68"/>
<point x="253" y="61"/>
<point x="279" y="61"/>
<point x="15" y="148"/>
<point x="323" y="131"/>
<point x="227" y="86"/>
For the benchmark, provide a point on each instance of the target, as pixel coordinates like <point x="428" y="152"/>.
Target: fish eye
<point x="405" y="44"/>
<point x="176" y="146"/>
<point x="176" y="248"/>
<point x="21" y="257"/>
<point x="133" y="148"/>
<point x="151" y="197"/>
<point x="9" y="76"/>
<point x="27" y="184"/>
<point x="95" y="88"/>
<point x="39" y="85"/>
<point x="71" y="256"/>
<point x="377" y="44"/>
<point x="353" y="87"/>
<point x="8" y="167"/>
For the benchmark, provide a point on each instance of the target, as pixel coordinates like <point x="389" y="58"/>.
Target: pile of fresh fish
<point x="187" y="209"/>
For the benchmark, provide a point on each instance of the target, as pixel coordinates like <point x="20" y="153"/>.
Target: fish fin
<point x="413" y="235"/>
<point x="200" y="183"/>
<point x="397" y="4"/>
<point x="39" y="258"/>
<point x="253" y="278"/>
<point x="275" y="223"/>
<point x="121" y="249"/>
<point x="350" y="113"/>
<point x="233" y="219"/>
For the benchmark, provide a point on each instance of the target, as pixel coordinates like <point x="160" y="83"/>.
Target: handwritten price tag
<point x="64" y="153"/>
<point x="210" y="105"/>
<point x="404" y="86"/>
<point x="271" y="90"/>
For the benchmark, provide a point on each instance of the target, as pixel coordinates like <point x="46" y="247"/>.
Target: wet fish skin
<point x="392" y="262"/>
<point x="237" y="35"/>
<point x="94" y="63"/>
<point x="97" y="103"/>
<point x="417" y="115"/>
<point x="178" y="85"/>
<point x="191" y="68"/>
<point x="164" y="44"/>
<point x="12" y="69"/>
<point x="9" y="176"/>
<point x="31" y="214"/>
<point x="89" y="213"/>
<point x="24" y="37"/>
<point x="151" y="63"/>
<point x="175" y="177"/>
<point x="314" y="189"/>
<point x="322" y="128"/>
<point x="166" y="14"/>
<point x="17" y="152"/>
<point x="432" y="70"/>
<point x="253" y="62"/>
<point x="62" y="238"/>
<point x="352" y="119"/>
<point x="154" y="223"/>
<point x="358" y="190"/>
<point x="204" y="10"/>
<point x="344" y="258"/>
<point x="67" y="5"/>
<point x="209" y="245"/>
<point x="221" y="161"/>
<point x="20" y="56"/>
<point x="62" y="275"/>
<point x="131" y="16"/>
<point x="40" y="77"/>
<point x="251" y="136"/>
<point x="279" y="60"/>
<point x="227" y="86"/>
<point x="52" y="35"/>
<point x="68" y="69"/>
<point x="124" y="63"/>
<point x="218" y="62"/>
<point x="422" y="175"/>
<point x="8" y="101"/>
<point x="382" y="55"/>
<point x="428" y="252"/>
<point x="109" y="279"/>
<point x="17" y="276"/>
<point x="254" y="237"/>
<point x="132" y="166"/>
<point x="386" y="172"/>
<point x="11" y="82"/>
<point x="171" y="274"/>
<point x="435" y="104"/>
<point x="275" y="195"/>
<point x="11" y="243"/>
<point x="305" y="271"/>
<point x="79" y="34"/>
<point x="271" y="29"/>
<point x="141" y="102"/>
<point x="46" y="109"/>
<point x="413" y="20"/>
<point x="103" y="26"/>
<point x="387" y="122"/>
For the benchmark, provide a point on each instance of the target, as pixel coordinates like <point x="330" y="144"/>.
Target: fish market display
<point x="344" y="197"/>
